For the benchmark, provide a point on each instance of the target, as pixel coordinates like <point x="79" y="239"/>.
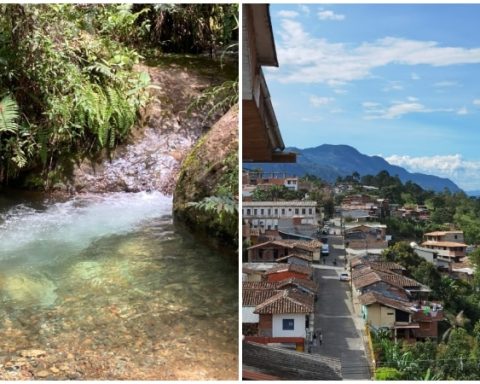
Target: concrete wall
<point x="248" y="316"/>
<point x="299" y="324"/>
<point x="380" y="316"/>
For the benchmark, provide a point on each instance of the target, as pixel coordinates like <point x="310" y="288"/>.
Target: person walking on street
<point x="314" y="339"/>
<point x="320" y="337"/>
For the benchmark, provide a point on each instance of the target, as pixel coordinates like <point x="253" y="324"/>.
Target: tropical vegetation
<point x="455" y="355"/>
<point x="70" y="83"/>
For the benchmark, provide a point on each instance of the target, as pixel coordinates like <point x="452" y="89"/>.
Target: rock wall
<point x="207" y="170"/>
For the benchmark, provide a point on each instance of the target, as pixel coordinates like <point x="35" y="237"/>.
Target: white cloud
<point x="462" y="111"/>
<point x="309" y="59"/>
<point x="393" y="86"/>
<point x="337" y="110"/>
<point x="330" y="15"/>
<point x="370" y="104"/>
<point x="340" y="91"/>
<point x="411" y="98"/>
<point x="398" y="110"/>
<point x="287" y="14"/>
<point x="442" y="84"/>
<point x="314" y="119"/>
<point x="463" y="172"/>
<point x="476" y="102"/>
<point x="414" y="76"/>
<point x="317" y="101"/>
<point x="304" y="9"/>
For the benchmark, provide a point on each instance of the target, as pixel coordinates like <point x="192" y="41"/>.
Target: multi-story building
<point x="446" y="244"/>
<point x="268" y="215"/>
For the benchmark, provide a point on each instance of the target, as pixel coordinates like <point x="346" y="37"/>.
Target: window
<point x="276" y="211"/>
<point x="283" y="211"/>
<point x="248" y="212"/>
<point x="296" y="211"/>
<point x="402" y="316"/>
<point x="255" y="211"/>
<point x="269" y="212"/>
<point x="303" y="211"/>
<point x="288" y="324"/>
<point x="261" y="211"/>
<point x="310" y="211"/>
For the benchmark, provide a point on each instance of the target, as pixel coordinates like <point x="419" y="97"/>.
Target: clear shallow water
<point x="110" y="288"/>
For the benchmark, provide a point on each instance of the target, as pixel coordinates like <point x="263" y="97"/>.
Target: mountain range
<point x="329" y="161"/>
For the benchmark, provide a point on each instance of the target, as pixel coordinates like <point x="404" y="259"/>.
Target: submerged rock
<point x="32" y="353"/>
<point x="25" y="289"/>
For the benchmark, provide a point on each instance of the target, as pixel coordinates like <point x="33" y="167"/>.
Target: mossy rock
<point x="210" y="169"/>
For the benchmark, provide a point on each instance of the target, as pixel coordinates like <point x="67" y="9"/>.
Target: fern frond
<point x="9" y="114"/>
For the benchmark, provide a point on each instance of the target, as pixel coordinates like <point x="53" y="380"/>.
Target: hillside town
<point x="325" y="286"/>
<point x="367" y="277"/>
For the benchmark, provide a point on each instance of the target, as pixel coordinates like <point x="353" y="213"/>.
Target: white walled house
<point x="286" y="314"/>
<point x="253" y="294"/>
<point x="289" y="325"/>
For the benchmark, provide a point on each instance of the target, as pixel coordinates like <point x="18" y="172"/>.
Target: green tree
<point x="455" y="357"/>
<point x="388" y="373"/>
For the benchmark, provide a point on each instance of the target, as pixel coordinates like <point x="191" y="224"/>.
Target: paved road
<point x="333" y="316"/>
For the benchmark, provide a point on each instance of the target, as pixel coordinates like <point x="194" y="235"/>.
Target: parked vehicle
<point x="344" y="276"/>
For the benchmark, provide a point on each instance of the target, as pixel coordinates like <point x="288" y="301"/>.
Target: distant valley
<point x="329" y="161"/>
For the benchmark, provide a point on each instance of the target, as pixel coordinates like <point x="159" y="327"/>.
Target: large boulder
<point x="211" y="169"/>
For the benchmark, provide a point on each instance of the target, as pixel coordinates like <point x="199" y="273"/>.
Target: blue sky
<point x="400" y="81"/>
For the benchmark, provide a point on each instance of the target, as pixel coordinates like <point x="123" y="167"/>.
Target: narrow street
<point x="334" y="317"/>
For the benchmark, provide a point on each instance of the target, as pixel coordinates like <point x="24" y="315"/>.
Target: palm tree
<point x="458" y="321"/>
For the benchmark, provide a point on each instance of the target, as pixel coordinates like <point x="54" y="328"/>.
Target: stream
<point x="106" y="286"/>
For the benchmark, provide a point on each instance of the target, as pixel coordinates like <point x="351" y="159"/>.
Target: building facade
<point x="267" y="215"/>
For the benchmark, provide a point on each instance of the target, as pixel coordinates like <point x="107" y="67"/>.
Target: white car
<point x="344" y="276"/>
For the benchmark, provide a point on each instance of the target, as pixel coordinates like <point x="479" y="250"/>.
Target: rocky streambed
<point x="103" y="284"/>
<point x="168" y="130"/>
<point x="107" y="287"/>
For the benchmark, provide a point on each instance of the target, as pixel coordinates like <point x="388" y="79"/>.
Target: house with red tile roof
<point x="285" y="314"/>
<point x="287" y="271"/>
<point x="407" y="320"/>
<point x="390" y="300"/>
<point x="277" y="249"/>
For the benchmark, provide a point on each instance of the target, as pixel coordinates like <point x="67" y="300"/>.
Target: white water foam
<point x="65" y="228"/>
